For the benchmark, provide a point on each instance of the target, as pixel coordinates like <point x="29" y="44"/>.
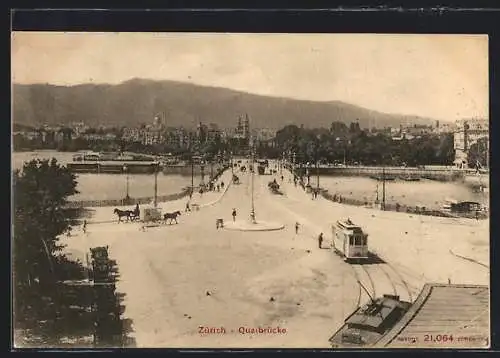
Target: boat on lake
<point x="380" y="177"/>
<point x="468" y="209"/>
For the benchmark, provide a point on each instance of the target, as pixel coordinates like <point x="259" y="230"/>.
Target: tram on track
<point x="350" y="241"/>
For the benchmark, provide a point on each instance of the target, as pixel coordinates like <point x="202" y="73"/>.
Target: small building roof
<point x="460" y="311"/>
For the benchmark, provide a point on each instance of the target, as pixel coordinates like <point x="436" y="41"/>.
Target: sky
<point x="439" y="76"/>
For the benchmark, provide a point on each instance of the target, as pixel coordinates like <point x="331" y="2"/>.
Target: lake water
<point x="111" y="186"/>
<point x="428" y="193"/>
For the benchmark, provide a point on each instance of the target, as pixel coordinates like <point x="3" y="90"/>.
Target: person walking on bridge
<point x="320" y="240"/>
<point x="234" y="214"/>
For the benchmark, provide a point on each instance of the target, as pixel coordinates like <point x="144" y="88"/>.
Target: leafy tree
<point x="478" y="153"/>
<point x="40" y="192"/>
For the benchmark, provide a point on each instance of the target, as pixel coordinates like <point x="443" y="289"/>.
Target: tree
<point x="40" y="192"/>
<point x="478" y="153"/>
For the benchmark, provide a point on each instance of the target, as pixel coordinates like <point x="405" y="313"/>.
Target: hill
<point x="137" y="101"/>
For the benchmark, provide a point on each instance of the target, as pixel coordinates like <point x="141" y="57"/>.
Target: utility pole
<point x="252" y="173"/>
<point x="317" y="167"/>
<point x="192" y="174"/>
<point x="156" y="184"/>
<point x="317" y="175"/>
<point x="383" y="188"/>
<point x="231" y="162"/>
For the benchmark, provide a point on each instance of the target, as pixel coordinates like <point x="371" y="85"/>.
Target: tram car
<point x="350" y="241"/>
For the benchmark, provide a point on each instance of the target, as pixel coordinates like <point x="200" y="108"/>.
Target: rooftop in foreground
<point x="444" y="316"/>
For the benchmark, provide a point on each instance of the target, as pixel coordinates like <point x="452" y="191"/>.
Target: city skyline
<point x="443" y="77"/>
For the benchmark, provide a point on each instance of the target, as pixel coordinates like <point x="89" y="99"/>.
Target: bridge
<point x="179" y="277"/>
<point x="441" y="173"/>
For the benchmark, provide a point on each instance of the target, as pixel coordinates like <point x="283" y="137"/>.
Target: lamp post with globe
<point x="127" y="197"/>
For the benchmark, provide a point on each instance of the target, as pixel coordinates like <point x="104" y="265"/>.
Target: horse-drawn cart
<point x="274" y="187"/>
<point x="151" y="215"/>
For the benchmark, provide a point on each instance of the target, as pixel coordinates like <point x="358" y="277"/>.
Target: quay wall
<point x="186" y="169"/>
<point x="133" y="201"/>
<point x="418" y="210"/>
<point x="112" y="167"/>
<point x="139" y="168"/>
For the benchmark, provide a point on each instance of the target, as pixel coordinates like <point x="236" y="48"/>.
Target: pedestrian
<point x="84" y="228"/>
<point x="234" y="215"/>
<point x="187" y="207"/>
<point x="296" y="228"/>
<point x="320" y="240"/>
<point x="218" y="187"/>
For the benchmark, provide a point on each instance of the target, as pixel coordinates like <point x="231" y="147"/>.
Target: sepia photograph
<point x="250" y="190"/>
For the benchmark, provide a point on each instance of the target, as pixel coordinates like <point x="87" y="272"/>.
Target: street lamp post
<point x="202" y="167"/>
<point x="156" y="184"/>
<point x="282" y="161"/>
<point x="294" y="158"/>
<point x="192" y="174"/>
<point x="308" y="173"/>
<point x="383" y="187"/>
<point x="252" y="173"/>
<point x="231" y="162"/>
<point x="127" y="197"/>
<point x="317" y="164"/>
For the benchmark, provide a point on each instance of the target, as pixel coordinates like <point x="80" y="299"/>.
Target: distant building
<point x="63" y="135"/>
<point x="131" y="134"/>
<point x="213" y="133"/>
<point x="443" y="128"/>
<point x="243" y="128"/>
<point x="153" y="133"/>
<point x="468" y="132"/>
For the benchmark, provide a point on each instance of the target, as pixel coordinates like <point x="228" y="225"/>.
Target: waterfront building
<point x="201" y="132"/>
<point x="153" y="133"/>
<point x="468" y="132"/>
<point x="243" y="128"/>
<point x="443" y="128"/>
<point x="213" y="133"/>
<point x="131" y="134"/>
<point x="63" y="135"/>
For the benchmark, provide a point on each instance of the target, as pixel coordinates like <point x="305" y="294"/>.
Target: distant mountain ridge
<point x="182" y="104"/>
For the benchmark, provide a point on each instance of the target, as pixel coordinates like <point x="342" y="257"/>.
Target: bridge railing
<point x="133" y="201"/>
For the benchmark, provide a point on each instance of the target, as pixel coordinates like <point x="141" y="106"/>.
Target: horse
<point x="172" y="216"/>
<point x="123" y="213"/>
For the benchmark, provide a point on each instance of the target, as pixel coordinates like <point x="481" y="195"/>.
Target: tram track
<point x="404" y="282"/>
<point x="376" y="278"/>
<point x="394" y="289"/>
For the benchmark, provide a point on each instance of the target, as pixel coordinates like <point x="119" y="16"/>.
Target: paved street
<point x="179" y="277"/>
